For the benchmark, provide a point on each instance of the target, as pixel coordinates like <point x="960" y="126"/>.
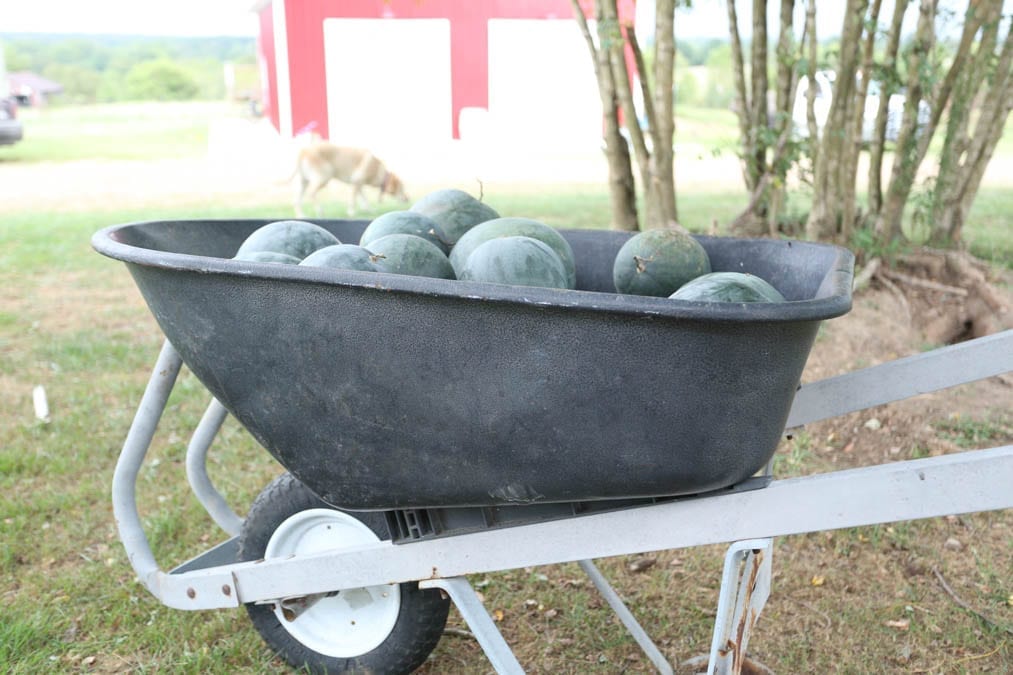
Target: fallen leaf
<point x="641" y="564"/>
<point x="817" y="580"/>
<point x="902" y="624"/>
<point x="497" y="615"/>
<point x="953" y="544"/>
<point x="849" y="447"/>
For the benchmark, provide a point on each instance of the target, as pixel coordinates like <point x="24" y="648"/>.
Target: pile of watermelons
<point x="448" y="234"/>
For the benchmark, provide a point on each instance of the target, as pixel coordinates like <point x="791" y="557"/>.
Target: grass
<point x="113" y="131"/>
<point x="72" y="321"/>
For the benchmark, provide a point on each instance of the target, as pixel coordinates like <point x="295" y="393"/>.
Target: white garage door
<point x="388" y="82"/>
<point x="541" y="82"/>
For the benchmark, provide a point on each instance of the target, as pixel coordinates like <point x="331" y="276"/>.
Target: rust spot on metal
<point x="191" y="593"/>
<point x="226" y="589"/>
<point x="435" y="574"/>
<point x="748" y="619"/>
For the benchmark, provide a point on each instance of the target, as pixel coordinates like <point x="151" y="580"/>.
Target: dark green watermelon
<point x="409" y="254"/>
<point x="342" y="257"/>
<point x="514" y="227"/>
<point x="455" y="211"/>
<point x="728" y="287"/>
<point x="267" y="257"/>
<point x="405" y="222"/>
<point x="658" y="262"/>
<point x="292" y="237"/>
<point x="519" y="261"/>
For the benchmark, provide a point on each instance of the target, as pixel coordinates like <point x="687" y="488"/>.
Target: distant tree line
<point x="95" y="69"/>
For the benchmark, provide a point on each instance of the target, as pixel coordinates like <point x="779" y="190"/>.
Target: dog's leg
<point x="315" y="185"/>
<point x="299" y="194"/>
<point x="352" y="200"/>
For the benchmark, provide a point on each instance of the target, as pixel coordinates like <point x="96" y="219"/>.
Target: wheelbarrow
<point x="432" y="429"/>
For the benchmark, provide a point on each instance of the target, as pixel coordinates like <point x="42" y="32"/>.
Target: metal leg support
<point x="196" y="469"/>
<point x="745" y="587"/>
<point x="135" y="447"/>
<point x="624" y="614"/>
<point x="471" y="608"/>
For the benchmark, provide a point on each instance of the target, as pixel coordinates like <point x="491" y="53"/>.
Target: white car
<point x="824" y="95"/>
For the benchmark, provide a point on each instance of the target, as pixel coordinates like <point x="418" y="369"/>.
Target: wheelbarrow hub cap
<point x="352" y="621"/>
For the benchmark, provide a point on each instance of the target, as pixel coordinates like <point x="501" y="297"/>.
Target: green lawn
<point x="114" y="131"/>
<point x="73" y="322"/>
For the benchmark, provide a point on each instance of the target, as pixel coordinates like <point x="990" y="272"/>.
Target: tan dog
<point x="321" y="161"/>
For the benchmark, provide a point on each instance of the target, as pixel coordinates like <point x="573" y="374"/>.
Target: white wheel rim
<point x="356" y="620"/>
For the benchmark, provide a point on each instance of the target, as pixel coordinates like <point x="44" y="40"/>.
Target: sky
<point x="129" y="17"/>
<point x="706" y="19"/>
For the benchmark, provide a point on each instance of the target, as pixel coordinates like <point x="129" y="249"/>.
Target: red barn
<point x="386" y="72"/>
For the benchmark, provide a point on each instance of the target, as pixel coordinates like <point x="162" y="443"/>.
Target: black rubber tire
<point x="420" y="622"/>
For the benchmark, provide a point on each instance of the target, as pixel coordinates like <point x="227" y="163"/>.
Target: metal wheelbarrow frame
<point x="967" y="482"/>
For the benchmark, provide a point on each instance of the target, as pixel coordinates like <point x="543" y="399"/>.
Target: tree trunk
<point x="962" y="180"/>
<point x="810" y="92"/>
<point x="760" y="216"/>
<point x="622" y="190"/>
<point x="742" y="105"/>
<point x="758" y="91"/>
<point x="887" y="87"/>
<point x="837" y="133"/>
<point x="913" y="142"/>
<point x="611" y="37"/>
<point x="663" y="122"/>
<point x="852" y="150"/>
<point x="783" y="100"/>
<point x="958" y="181"/>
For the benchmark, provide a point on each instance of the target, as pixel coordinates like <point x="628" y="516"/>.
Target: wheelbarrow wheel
<point x="380" y="629"/>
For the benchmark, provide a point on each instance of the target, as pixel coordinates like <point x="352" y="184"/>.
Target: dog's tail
<point x="295" y="169"/>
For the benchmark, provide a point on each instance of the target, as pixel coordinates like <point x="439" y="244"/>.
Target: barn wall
<point x="468" y="37"/>
<point x="268" y="66"/>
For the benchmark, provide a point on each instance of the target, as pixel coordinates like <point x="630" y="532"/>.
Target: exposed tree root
<point x="947" y="293"/>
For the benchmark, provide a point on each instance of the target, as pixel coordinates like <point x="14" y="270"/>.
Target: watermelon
<point x="728" y="287"/>
<point x="455" y="211"/>
<point x="405" y="222"/>
<point x="292" y="237"/>
<point x="514" y="227"/>
<point x="342" y="257"/>
<point x="408" y="254"/>
<point x="519" y="261"/>
<point x="267" y="257"/>
<point x="658" y="262"/>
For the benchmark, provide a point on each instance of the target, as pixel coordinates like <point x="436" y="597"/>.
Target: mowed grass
<point x="114" y="131"/>
<point x="73" y="322"/>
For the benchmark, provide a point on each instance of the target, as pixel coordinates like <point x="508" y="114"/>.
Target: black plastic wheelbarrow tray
<point x="383" y="391"/>
<point x="486" y="408"/>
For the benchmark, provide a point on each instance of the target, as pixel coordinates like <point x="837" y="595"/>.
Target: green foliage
<point x="696" y="51"/>
<point x="80" y="83"/>
<point x="159" y="80"/>
<point x="95" y="69"/>
<point x="866" y="245"/>
<point x="918" y="229"/>
<point x="970" y="433"/>
<point x="720" y="90"/>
